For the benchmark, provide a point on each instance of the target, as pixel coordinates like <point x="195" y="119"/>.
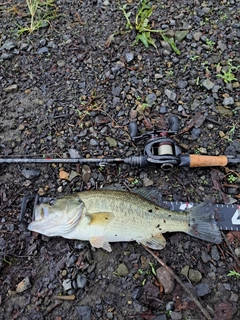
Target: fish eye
<point x="52" y="202"/>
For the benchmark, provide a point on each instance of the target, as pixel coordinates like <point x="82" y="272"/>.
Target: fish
<point x="104" y="216"/>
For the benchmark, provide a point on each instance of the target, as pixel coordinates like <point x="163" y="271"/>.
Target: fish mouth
<point x="41" y="212"/>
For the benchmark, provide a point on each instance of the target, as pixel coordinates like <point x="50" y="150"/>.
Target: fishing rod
<point x="160" y="149"/>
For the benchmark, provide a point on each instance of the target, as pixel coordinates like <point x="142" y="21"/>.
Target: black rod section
<point x="58" y="160"/>
<point x="139" y="161"/>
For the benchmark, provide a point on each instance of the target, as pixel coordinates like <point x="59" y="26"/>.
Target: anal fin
<point x="157" y="242"/>
<point x="99" y="242"/>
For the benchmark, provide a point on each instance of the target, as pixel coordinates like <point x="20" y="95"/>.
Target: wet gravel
<point x="68" y="91"/>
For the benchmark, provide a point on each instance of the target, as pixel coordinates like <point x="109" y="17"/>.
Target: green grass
<point x="210" y="44"/>
<point x="143" y="28"/>
<point x="228" y="75"/>
<point x="233" y="273"/>
<point x="231" y="178"/>
<point x="41" y="12"/>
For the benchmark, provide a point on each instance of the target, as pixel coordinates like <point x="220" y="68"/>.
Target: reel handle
<point x="133" y="129"/>
<point x="173" y="123"/>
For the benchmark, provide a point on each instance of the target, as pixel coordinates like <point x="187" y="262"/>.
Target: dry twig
<point x="65" y="298"/>
<point x="198" y="304"/>
<point x="231" y="250"/>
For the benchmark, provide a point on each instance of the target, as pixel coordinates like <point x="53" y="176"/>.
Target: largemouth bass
<point x="103" y="216"/>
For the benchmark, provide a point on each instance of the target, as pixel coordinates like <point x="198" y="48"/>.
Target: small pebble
<point x="202" y="289"/>
<point x="185" y="270"/>
<point x="176" y="315"/>
<point x="170" y="94"/>
<point x="205" y="257"/>
<point x="31" y="174"/>
<point x="11" y="88"/>
<point x="234" y="297"/>
<point x="23" y="285"/>
<point x="85" y="312"/>
<point x="166" y="280"/>
<point x="237" y="252"/>
<point x="194" y="275"/>
<point x="63" y="175"/>
<point x="121" y="270"/>
<point x="182" y="84"/>
<point x="81" y="281"/>
<point x="129" y="56"/>
<point x="8" y="45"/>
<point x="208" y="84"/>
<point x="61" y="63"/>
<point x="86" y="173"/>
<point x="151" y="98"/>
<point x="221" y="134"/>
<point x="195" y="133"/>
<point x="43" y="50"/>
<point x="228" y="101"/>
<point x="215" y="253"/>
<point x="137" y="292"/>
<point x="67" y="285"/>
<point x="112" y="142"/>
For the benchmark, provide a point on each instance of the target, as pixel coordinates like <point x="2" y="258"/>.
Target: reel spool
<point x="159" y="148"/>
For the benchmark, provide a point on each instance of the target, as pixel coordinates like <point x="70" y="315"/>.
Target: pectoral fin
<point x="99" y="242"/>
<point x="156" y="242"/>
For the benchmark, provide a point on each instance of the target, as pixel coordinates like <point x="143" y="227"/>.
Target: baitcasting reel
<point x="159" y="148"/>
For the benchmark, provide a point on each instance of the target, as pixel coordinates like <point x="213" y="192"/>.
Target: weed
<point x="231" y="133"/>
<point x="210" y="43"/>
<point x="40" y="14"/>
<point x="231" y="178"/>
<point x="140" y="271"/>
<point x="193" y="58"/>
<point x="169" y="74"/>
<point x="135" y="181"/>
<point x="143" y="28"/>
<point x="197" y="151"/>
<point x="185" y="68"/>
<point x="204" y="181"/>
<point x="227" y="75"/>
<point x="153" y="269"/>
<point x="6" y="261"/>
<point x="233" y="273"/>
<point x="223" y="17"/>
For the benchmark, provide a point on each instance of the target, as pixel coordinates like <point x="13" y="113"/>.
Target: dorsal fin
<point x="150" y="193"/>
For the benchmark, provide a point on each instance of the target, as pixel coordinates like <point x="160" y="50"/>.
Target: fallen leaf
<point x="147" y="123"/>
<point x="147" y="315"/>
<point x="196" y="122"/>
<point x="216" y="177"/>
<point x="232" y="236"/>
<point x="109" y="40"/>
<point x="224" y="310"/>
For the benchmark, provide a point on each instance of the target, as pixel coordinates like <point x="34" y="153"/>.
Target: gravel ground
<point x="76" y="84"/>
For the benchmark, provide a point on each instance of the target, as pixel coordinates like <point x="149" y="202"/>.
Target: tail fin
<point x="202" y="224"/>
